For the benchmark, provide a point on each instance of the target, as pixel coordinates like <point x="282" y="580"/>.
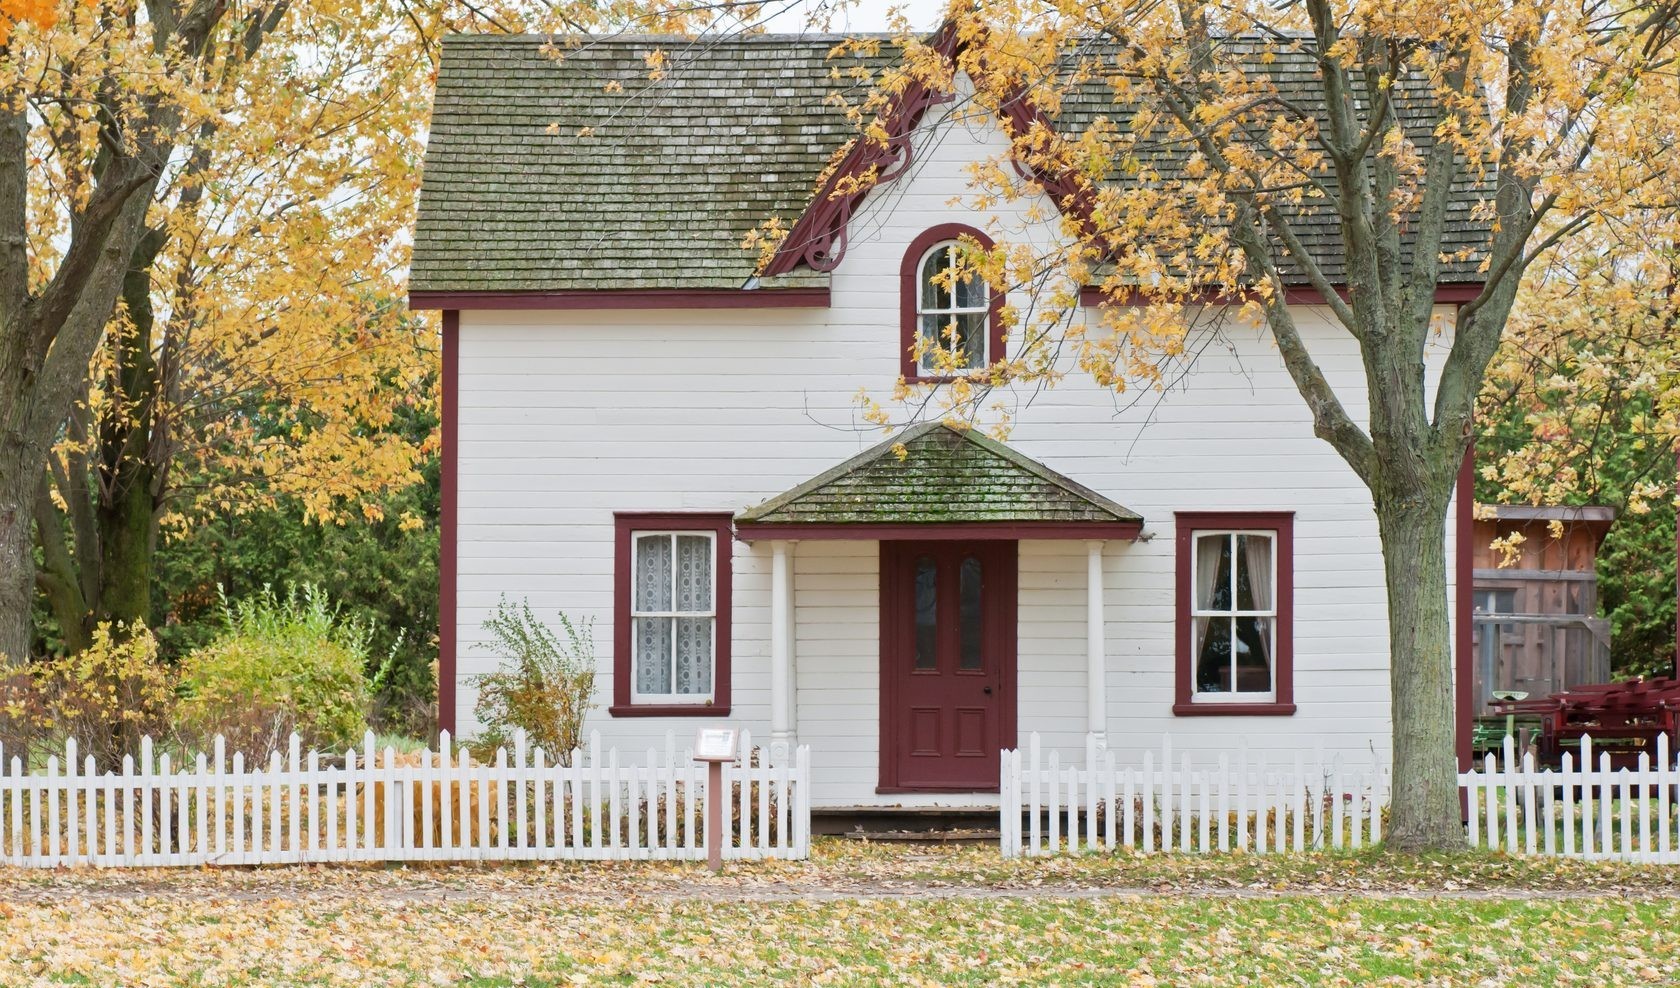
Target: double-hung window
<point x="672" y="614"/>
<point x="1234" y="623"/>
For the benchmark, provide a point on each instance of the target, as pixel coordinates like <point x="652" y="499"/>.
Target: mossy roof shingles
<point x="947" y="476"/>
<point x="570" y="169"/>
<point x="515" y="196"/>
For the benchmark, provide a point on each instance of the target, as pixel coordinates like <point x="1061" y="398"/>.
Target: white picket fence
<point x="379" y="806"/>
<point x="1242" y="803"/>
<point x="1576" y="811"/>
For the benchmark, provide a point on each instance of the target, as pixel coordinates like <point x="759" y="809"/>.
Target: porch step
<point x="927" y="836"/>
<point x="907" y="823"/>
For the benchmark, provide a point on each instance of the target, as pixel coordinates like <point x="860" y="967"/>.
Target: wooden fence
<point x="382" y="806"/>
<point x="1242" y="803"/>
<point x="1576" y="811"/>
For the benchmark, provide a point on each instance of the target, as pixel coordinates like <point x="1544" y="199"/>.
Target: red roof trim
<point x="654" y="298"/>
<point x="753" y="531"/>
<point x="818" y="238"/>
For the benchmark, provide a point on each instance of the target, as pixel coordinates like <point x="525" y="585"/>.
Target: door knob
<point x="987" y="691"/>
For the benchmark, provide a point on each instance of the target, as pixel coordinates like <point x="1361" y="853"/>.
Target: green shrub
<point x="283" y="664"/>
<point x="545" y="689"/>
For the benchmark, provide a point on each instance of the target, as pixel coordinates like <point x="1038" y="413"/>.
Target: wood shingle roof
<point x="947" y="476"/>
<point x="571" y="170"/>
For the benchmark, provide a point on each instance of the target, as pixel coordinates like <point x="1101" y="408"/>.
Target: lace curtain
<point x="672" y="608"/>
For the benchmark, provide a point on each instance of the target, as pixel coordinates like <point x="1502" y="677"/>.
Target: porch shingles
<point x="946" y="475"/>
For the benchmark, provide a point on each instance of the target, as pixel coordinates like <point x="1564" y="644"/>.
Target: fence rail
<point x="1576" y="811"/>
<point x="381" y="806"/>
<point x="1243" y="803"/>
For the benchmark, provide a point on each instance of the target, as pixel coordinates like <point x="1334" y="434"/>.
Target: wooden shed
<point x="1537" y="629"/>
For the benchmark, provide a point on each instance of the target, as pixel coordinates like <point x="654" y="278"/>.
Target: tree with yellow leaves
<point x="260" y="341"/>
<point x="1582" y="406"/>
<point x="1561" y="114"/>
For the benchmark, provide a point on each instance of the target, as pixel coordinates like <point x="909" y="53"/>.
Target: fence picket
<point x="1666" y="767"/>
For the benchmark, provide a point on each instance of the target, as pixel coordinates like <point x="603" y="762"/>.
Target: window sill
<point x="979" y="374"/>
<point x="1233" y="709"/>
<point x="668" y="710"/>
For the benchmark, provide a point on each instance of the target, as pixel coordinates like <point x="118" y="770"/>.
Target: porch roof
<point x="950" y="482"/>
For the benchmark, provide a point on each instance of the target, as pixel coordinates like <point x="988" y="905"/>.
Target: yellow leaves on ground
<point x="857" y="914"/>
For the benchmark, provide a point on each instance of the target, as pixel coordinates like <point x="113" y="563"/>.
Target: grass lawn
<point x="855" y="915"/>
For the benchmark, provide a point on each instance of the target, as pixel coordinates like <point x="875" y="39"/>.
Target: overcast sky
<point x="863" y="15"/>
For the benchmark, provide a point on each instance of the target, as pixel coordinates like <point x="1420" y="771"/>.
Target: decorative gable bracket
<point x="817" y="239"/>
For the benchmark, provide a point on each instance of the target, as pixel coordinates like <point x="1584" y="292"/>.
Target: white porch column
<point x="1096" y="695"/>
<point x="781" y="642"/>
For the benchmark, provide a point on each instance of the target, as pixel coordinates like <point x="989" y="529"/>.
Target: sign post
<point x="714" y="746"/>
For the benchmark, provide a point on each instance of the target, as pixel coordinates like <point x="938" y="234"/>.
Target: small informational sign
<point x="715" y="744"/>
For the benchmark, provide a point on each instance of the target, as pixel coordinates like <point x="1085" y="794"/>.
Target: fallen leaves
<point x="855" y="913"/>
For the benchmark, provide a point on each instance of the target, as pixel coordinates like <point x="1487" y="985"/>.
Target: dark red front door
<point x="947" y="664"/>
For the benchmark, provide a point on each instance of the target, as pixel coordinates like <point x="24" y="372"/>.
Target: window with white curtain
<point x="1234" y="615"/>
<point x="952" y="310"/>
<point x="673" y="617"/>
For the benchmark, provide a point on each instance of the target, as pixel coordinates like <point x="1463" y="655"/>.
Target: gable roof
<point x="662" y="192"/>
<point x="579" y="174"/>
<point x="948" y="476"/>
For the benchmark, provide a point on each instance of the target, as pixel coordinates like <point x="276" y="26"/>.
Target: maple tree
<point x="259" y="347"/>
<point x="95" y="99"/>
<point x="1561" y="112"/>
<point x="1582" y="406"/>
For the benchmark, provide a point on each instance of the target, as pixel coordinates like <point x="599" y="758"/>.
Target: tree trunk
<point x="126" y="515"/>
<point x="18" y="488"/>
<point x="125" y="548"/>
<point x="1413" y="527"/>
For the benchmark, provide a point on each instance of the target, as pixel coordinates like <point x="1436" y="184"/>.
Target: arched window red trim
<point x="909" y="289"/>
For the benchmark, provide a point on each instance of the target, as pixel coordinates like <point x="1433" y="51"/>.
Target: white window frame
<point x="636" y="536"/>
<point x="984" y="309"/>
<point x="1232" y="695"/>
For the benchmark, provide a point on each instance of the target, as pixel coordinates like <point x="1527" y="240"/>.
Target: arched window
<point x="947" y="308"/>
<point x="951" y="312"/>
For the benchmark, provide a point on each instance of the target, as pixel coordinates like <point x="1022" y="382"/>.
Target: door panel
<point x="947" y="664"/>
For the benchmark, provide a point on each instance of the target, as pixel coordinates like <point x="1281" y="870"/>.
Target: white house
<point x="640" y="430"/>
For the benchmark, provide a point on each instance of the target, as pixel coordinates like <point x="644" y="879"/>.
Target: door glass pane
<point x="1254" y="573"/>
<point x="1213" y="655"/>
<point x="694" y="656"/>
<point x="1253" y="647"/>
<point x="927" y="613"/>
<point x="653" y="655"/>
<point x="694" y="573"/>
<point x="653" y="573"/>
<point x="968" y="631"/>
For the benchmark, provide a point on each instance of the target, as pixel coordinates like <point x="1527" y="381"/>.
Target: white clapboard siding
<point x="1240" y="802"/>
<point x="1576" y="810"/>
<point x="378" y="806"/>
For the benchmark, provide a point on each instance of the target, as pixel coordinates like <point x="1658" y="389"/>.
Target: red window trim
<point x="1281" y="522"/>
<point x="624" y="523"/>
<point x="910" y="289"/>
